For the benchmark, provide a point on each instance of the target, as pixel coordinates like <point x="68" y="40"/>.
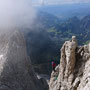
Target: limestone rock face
<point x="16" y="72"/>
<point x="74" y="70"/>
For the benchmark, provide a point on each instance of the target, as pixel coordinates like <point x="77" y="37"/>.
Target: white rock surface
<point x="74" y="68"/>
<point x="16" y="72"/>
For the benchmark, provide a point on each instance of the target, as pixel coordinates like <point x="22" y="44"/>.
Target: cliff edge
<point x="16" y="71"/>
<point x="73" y="73"/>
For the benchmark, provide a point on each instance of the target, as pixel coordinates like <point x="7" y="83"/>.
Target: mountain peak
<point x="16" y="71"/>
<point x="74" y="69"/>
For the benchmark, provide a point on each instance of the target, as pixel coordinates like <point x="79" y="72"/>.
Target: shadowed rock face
<point x="73" y="73"/>
<point x="16" y="72"/>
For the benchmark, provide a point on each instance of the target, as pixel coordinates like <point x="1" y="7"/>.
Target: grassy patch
<point x="87" y="42"/>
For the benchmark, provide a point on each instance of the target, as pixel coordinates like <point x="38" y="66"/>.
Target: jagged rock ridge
<point x="16" y="72"/>
<point x="73" y="73"/>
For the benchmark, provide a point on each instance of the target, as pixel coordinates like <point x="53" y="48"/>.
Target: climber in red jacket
<point x="53" y="65"/>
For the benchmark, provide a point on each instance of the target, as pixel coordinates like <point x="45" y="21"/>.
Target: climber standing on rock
<point x="53" y="65"/>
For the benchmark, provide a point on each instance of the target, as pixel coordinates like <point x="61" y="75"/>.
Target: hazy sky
<point x="15" y="14"/>
<point x="59" y="1"/>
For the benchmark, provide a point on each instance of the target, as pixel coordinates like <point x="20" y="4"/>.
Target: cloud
<point x="16" y="14"/>
<point x="59" y="1"/>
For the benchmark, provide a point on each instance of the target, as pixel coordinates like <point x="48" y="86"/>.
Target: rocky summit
<point x="73" y="73"/>
<point x="16" y="71"/>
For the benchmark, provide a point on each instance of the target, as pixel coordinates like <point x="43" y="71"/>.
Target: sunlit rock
<point x="74" y="68"/>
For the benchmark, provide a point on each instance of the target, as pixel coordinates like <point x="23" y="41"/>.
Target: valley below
<point x="44" y="47"/>
<point x="47" y="36"/>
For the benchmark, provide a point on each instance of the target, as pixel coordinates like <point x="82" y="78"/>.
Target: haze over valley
<point x="50" y="31"/>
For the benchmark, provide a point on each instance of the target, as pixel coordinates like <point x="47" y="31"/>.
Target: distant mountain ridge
<point x="56" y="28"/>
<point x="47" y="35"/>
<point x="68" y="10"/>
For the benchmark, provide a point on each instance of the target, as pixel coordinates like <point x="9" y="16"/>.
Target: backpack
<point x="53" y="64"/>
